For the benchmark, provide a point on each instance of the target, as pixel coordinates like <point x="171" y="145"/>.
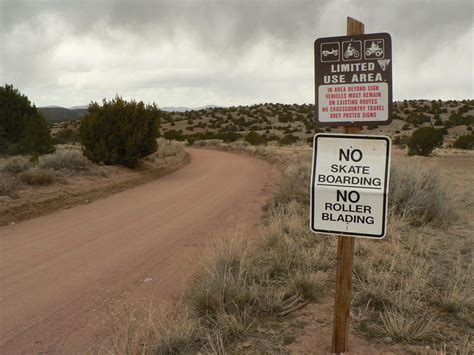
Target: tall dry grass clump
<point x="455" y="295"/>
<point x="169" y="153"/>
<point x="392" y="281"/>
<point x="15" y="165"/>
<point x="240" y="284"/>
<point x="72" y="159"/>
<point x="8" y="185"/>
<point x="37" y="177"/>
<point x="295" y="184"/>
<point x="209" y="143"/>
<point x="418" y="195"/>
<point x="168" y="148"/>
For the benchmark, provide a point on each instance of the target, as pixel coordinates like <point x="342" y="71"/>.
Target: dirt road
<point x="62" y="273"/>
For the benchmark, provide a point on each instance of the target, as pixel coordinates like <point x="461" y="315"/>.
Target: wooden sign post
<point x="345" y="255"/>
<point x="351" y="171"/>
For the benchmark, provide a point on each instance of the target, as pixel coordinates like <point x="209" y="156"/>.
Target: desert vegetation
<point x="45" y="165"/>
<point x="288" y="124"/>
<point x="249" y="290"/>
<point x="465" y="141"/>
<point x="66" y="177"/>
<point x="119" y="132"/>
<point x="23" y="130"/>
<point x="424" y="140"/>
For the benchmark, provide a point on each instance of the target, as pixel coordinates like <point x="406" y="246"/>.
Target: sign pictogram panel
<point x="353" y="78"/>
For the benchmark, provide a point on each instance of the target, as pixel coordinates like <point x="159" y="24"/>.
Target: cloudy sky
<point x="194" y="53"/>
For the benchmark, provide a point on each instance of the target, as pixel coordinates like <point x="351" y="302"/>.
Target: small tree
<point x="119" y="132"/>
<point x="173" y="134"/>
<point x="254" y="138"/>
<point x="288" y="139"/>
<point x="23" y="130"/>
<point x="465" y="141"/>
<point x="424" y="140"/>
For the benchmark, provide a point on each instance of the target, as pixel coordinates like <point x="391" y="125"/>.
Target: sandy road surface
<point x="60" y="272"/>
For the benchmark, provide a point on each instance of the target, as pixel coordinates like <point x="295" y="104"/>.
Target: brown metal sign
<point x="353" y="77"/>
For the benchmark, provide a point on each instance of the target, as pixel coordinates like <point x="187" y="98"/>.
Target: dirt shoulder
<point x="90" y="182"/>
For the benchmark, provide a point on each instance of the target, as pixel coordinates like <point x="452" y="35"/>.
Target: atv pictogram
<point x="374" y="49"/>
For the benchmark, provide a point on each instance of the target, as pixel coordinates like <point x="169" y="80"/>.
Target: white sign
<point x="349" y="185"/>
<point x="353" y="102"/>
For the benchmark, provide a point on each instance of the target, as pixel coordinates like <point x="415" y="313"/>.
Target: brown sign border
<point x="318" y="66"/>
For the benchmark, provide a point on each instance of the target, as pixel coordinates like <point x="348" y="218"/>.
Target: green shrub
<point x="465" y="141"/>
<point x="424" y="140"/>
<point x="173" y="134"/>
<point x="459" y="119"/>
<point x="288" y="139"/>
<point x="65" y="136"/>
<point x="417" y="118"/>
<point x="254" y="138"/>
<point x="22" y="128"/>
<point x="119" y="132"/>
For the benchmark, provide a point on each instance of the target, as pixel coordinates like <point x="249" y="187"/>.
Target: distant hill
<point x="60" y="114"/>
<point x="184" y="109"/>
<point x="175" y="109"/>
<point x="274" y="121"/>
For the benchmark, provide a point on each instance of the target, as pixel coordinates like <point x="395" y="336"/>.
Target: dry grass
<point x="167" y="148"/>
<point x="395" y="279"/>
<point x="466" y="347"/>
<point x="239" y="285"/>
<point x="37" y="177"/>
<point x="169" y="153"/>
<point x="177" y="332"/>
<point x="8" y="184"/>
<point x="418" y="195"/>
<point x="209" y="143"/>
<point x="405" y="326"/>
<point x="455" y="296"/>
<point x="14" y="165"/>
<point x="237" y="145"/>
<point x="71" y="159"/>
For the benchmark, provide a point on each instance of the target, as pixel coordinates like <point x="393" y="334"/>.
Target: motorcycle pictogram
<point x="351" y="52"/>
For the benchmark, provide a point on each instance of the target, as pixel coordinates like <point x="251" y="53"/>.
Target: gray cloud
<point x="222" y="52"/>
